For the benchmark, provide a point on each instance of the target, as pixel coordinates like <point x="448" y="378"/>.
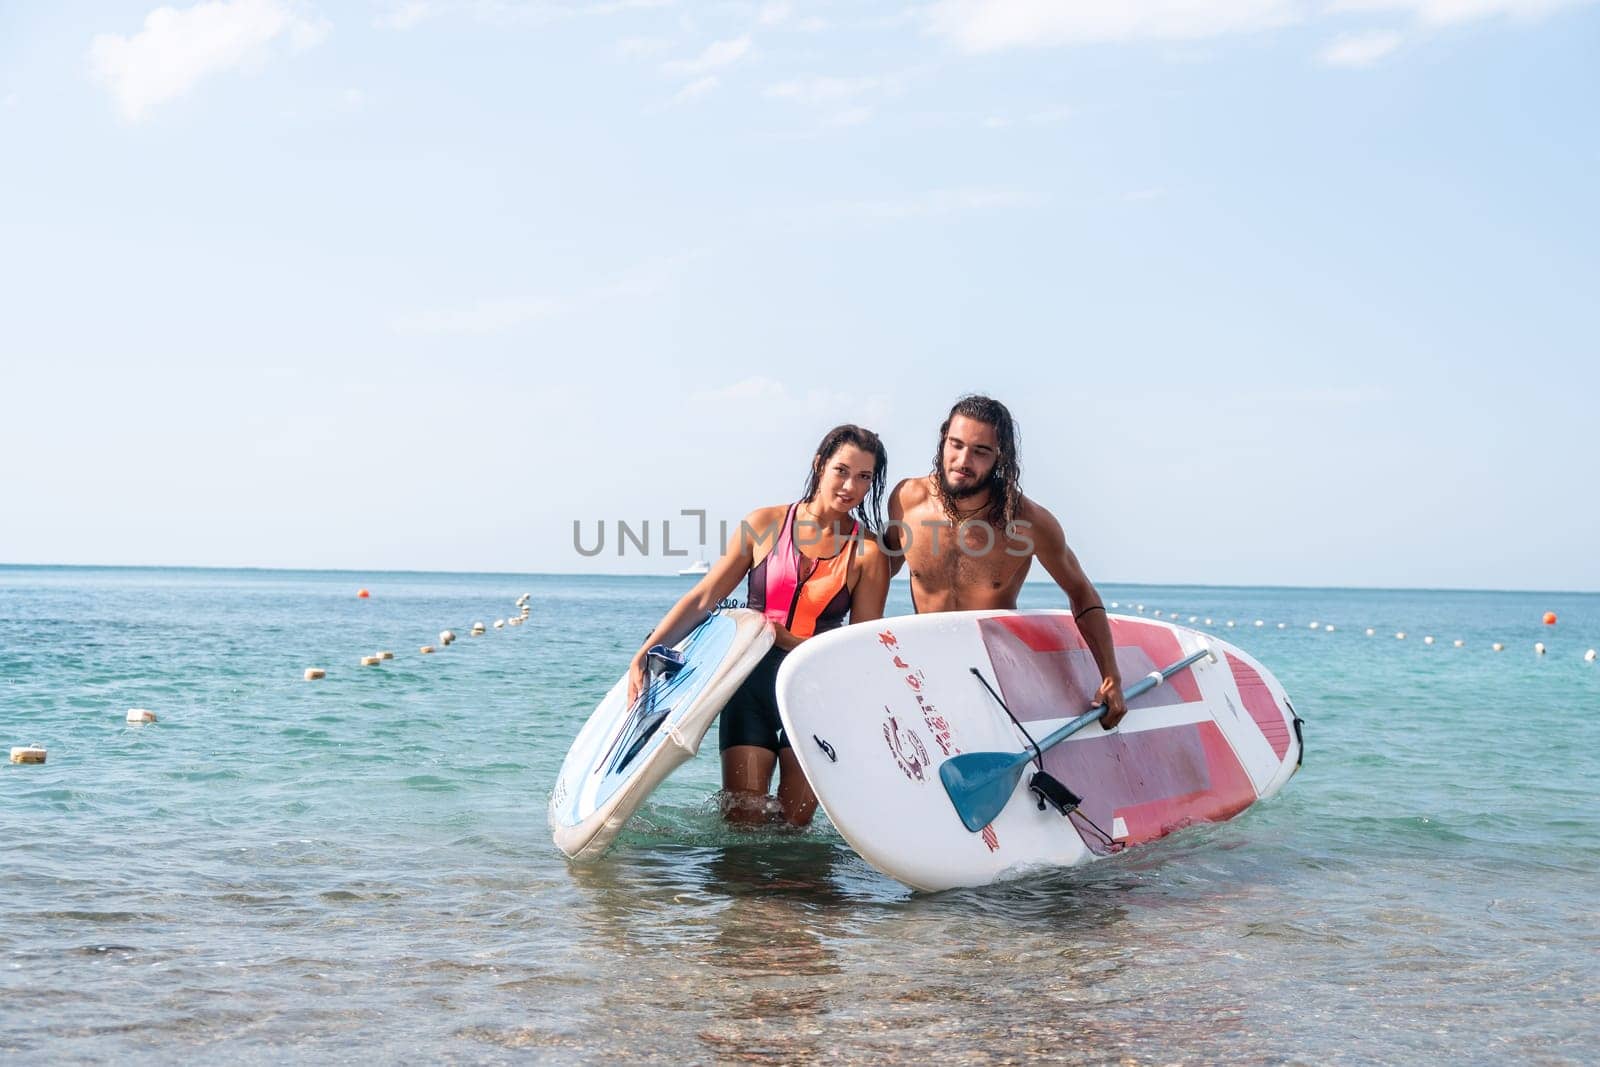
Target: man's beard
<point x="952" y="492"/>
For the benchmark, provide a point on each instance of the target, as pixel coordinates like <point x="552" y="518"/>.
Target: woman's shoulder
<point x="763" y="523"/>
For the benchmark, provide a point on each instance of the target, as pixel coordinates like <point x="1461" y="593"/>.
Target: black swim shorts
<point x="751" y="714"/>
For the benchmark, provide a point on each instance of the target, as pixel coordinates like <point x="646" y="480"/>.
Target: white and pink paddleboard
<point x="873" y="710"/>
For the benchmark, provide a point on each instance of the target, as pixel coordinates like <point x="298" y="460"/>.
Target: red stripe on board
<point x="1259" y="703"/>
<point x="1161" y="645"/>
<point x="1228" y="793"/>
<point x="1043" y="633"/>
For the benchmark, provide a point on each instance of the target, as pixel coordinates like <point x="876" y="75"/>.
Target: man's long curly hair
<point x="1005" y="479"/>
<point x="870" y="511"/>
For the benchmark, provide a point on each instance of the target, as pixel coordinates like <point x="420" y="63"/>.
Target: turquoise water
<point x="359" y="867"/>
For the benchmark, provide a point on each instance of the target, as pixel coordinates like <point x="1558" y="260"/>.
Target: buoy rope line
<point x="1214" y="622"/>
<point x="446" y="637"/>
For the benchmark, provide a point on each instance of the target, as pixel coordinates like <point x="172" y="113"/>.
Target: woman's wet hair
<point x="1005" y="479"/>
<point x="869" y="513"/>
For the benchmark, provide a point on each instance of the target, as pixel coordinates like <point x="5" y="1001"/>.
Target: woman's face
<point x="846" y="477"/>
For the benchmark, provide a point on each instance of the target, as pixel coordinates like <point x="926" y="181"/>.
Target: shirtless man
<point x="970" y="535"/>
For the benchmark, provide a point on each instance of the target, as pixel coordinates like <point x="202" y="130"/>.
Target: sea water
<point x="360" y="867"/>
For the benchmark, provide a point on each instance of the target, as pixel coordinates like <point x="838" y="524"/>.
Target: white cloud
<point x="991" y="25"/>
<point x="1359" y="49"/>
<point x="823" y="90"/>
<point x="769" y="402"/>
<point x="643" y="281"/>
<point x="772" y="14"/>
<point x="696" y="89"/>
<point x="633" y="47"/>
<point x="1447" y="12"/>
<point x="759" y="391"/>
<point x="486" y="316"/>
<point x="1045" y="117"/>
<point x="409" y="15"/>
<point x="715" y="56"/>
<point x="176" y="49"/>
<point x="937" y="202"/>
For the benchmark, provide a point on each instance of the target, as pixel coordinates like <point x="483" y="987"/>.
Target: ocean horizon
<point x="1034" y="579"/>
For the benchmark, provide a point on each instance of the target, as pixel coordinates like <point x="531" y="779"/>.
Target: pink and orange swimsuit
<point x="809" y="597"/>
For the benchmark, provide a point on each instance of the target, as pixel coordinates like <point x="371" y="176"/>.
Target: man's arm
<point x="1050" y="545"/>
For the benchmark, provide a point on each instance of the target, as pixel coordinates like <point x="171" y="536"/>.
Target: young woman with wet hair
<point x="808" y="566"/>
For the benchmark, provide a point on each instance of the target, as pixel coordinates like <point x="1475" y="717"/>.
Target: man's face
<point x="971" y="449"/>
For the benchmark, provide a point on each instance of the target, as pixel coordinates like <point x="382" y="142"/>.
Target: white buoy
<point x="446" y="636"/>
<point x="370" y="661"/>
<point x="1191" y="618"/>
<point x="314" y="673"/>
<point x="1460" y="643"/>
<point x="141" y="715"/>
<point x="1138" y="607"/>
<point x="1328" y="629"/>
<point x="386" y="655"/>
<point x="426" y="650"/>
<point x="478" y="629"/>
<point x="1371" y="631"/>
<point x="1316" y="626"/>
<point x="1261" y="622"/>
<point x="1283" y="626"/>
<point x="1538" y="647"/>
<point x="1208" y="622"/>
<point x="1401" y="636"/>
<point x="1158" y="613"/>
<point x="1427" y="640"/>
<point x="1230" y="624"/>
<point x="28" y="754"/>
<point x="1589" y="656"/>
<point x="1498" y="647"/>
<point x="1113" y="603"/>
<point x="499" y="624"/>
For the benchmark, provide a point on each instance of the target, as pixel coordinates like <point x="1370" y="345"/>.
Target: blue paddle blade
<point x="980" y="784"/>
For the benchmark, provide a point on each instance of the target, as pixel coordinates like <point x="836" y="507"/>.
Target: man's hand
<point x="1110" y="694"/>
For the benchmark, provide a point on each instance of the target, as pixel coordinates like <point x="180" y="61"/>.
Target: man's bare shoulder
<point x="911" y="492"/>
<point x="1038" y="517"/>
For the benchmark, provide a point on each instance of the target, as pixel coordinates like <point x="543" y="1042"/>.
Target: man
<point x="970" y="535"/>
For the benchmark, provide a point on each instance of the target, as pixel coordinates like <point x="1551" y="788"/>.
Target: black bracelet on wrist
<point x="1086" y="611"/>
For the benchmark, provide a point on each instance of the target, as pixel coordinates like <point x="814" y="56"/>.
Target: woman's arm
<point x="872" y="588"/>
<point x="693" y="607"/>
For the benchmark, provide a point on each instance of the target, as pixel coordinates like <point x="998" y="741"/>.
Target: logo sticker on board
<point x="907" y="749"/>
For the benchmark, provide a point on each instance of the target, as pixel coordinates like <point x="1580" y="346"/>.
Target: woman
<point x="807" y="565"/>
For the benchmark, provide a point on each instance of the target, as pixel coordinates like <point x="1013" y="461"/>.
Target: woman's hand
<point x="785" y="639"/>
<point x="636" y="678"/>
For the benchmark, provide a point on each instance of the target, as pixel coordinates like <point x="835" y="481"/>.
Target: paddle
<point x="980" y="784"/>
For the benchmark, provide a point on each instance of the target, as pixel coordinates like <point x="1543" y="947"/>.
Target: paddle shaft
<point x="1137" y="689"/>
<point x="980" y="784"/>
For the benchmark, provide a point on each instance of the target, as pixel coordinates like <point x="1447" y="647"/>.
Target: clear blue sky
<point x="1281" y="292"/>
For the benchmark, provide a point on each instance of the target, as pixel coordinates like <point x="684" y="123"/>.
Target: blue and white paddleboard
<point x="623" y="752"/>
